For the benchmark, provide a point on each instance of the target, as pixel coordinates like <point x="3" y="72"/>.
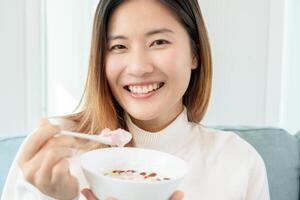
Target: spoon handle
<point x="83" y="136"/>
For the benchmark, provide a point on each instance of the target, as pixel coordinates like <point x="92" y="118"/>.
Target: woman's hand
<point x="177" y="195"/>
<point x="44" y="164"/>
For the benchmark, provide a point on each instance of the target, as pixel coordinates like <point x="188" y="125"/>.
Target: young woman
<point x="150" y="73"/>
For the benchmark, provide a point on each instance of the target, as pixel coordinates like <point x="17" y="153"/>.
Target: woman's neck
<point x="159" y="123"/>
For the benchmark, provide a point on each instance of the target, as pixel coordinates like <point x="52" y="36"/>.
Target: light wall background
<point x="291" y="96"/>
<point x="12" y="69"/>
<point x="44" y="57"/>
<point x="239" y="33"/>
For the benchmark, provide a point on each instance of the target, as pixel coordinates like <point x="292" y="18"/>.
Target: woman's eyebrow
<point x="157" y="31"/>
<point x="149" y="33"/>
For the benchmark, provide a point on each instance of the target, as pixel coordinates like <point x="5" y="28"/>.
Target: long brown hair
<point x="99" y="109"/>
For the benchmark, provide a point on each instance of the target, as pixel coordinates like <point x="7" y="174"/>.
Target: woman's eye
<point x="159" y="42"/>
<point x="117" y="47"/>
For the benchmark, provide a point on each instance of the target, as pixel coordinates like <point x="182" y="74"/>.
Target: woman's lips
<point x="142" y="92"/>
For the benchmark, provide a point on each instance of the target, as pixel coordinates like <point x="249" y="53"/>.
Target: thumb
<point x="177" y="195"/>
<point x="88" y="194"/>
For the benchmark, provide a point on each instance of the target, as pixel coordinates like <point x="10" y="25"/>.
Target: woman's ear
<point x="194" y="62"/>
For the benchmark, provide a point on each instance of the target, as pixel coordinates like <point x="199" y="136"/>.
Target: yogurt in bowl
<point x="130" y="173"/>
<point x="135" y="175"/>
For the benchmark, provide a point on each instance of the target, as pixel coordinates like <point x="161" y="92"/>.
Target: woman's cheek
<point x="168" y="58"/>
<point x="113" y="67"/>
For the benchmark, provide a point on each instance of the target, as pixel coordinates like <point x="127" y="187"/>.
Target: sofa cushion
<point x="8" y="149"/>
<point x="280" y="151"/>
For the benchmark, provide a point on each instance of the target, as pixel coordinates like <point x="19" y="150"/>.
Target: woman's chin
<point x="143" y="114"/>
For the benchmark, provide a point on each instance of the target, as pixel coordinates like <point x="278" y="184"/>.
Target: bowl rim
<point x="186" y="169"/>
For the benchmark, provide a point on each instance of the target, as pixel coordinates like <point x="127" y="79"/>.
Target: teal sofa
<point x="279" y="149"/>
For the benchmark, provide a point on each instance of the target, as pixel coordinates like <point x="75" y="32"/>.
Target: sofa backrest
<point x="8" y="149"/>
<point x="280" y="151"/>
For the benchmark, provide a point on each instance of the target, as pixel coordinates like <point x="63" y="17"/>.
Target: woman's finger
<point x="62" y="141"/>
<point x="110" y="198"/>
<point x="177" y="195"/>
<point x="36" y="141"/>
<point x="54" y="150"/>
<point x="61" y="177"/>
<point x="51" y="158"/>
<point x="88" y="194"/>
<point x="43" y="122"/>
<point x="61" y="172"/>
<point x="39" y="169"/>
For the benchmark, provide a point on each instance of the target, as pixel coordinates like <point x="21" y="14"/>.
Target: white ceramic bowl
<point x="96" y="162"/>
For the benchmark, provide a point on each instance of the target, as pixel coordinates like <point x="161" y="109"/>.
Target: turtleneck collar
<point x="169" y="139"/>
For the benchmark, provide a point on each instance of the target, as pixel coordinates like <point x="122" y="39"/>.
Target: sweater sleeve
<point x="258" y="188"/>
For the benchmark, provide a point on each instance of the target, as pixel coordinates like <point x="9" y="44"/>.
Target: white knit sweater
<point x="222" y="166"/>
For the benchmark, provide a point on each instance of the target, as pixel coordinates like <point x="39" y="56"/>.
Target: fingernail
<point x="86" y="192"/>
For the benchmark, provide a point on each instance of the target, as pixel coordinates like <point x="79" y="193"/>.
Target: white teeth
<point x="150" y="87"/>
<point x="143" y="89"/>
<point x="139" y="90"/>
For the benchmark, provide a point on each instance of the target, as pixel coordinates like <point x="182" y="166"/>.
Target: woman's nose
<point x="139" y="63"/>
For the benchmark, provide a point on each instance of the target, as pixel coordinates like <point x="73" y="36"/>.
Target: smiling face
<point x="148" y="62"/>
